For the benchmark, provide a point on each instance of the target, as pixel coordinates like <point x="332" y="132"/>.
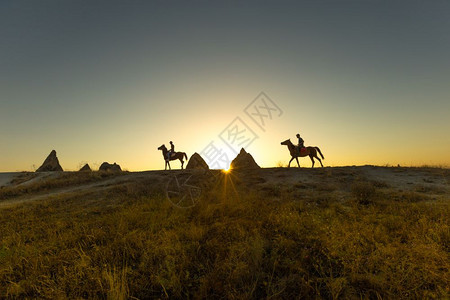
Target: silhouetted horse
<point x="311" y="151"/>
<point x="173" y="156"/>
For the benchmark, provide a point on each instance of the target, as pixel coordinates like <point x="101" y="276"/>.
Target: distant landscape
<point x="345" y="232"/>
<point x="225" y="149"/>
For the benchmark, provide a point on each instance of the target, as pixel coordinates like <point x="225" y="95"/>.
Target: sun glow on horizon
<point x="227" y="170"/>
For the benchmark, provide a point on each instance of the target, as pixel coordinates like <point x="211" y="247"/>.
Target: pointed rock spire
<point x="85" y="168"/>
<point x="244" y="160"/>
<point x="51" y="163"/>
<point x="197" y="162"/>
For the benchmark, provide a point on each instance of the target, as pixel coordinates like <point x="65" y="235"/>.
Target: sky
<point x="368" y="82"/>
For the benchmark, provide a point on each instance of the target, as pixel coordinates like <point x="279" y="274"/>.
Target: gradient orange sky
<point x="369" y="83"/>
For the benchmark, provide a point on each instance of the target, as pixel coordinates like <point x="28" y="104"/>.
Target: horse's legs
<point x="289" y="165"/>
<point x="320" y="161"/>
<point x="312" y="159"/>
<point x="182" y="163"/>
<point x="298" y="164"/>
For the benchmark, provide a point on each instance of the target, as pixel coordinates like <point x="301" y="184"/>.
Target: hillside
<point x="347" y="232"/>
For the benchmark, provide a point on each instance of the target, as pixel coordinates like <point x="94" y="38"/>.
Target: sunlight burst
<point x="226" y="170"/>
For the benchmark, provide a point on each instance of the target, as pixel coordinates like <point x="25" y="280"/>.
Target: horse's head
<point x="162" y="147"/>
<point x="286" y="142"/>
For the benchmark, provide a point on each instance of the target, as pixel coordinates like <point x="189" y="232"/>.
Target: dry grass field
<point x="349" y="232"/>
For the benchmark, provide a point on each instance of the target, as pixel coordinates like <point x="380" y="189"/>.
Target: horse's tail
<point x="320" y="152"/>
<point x="185" y="155"/>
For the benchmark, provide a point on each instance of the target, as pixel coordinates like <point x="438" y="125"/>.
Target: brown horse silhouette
<point x="311" y="151"/>
<point x="173" y="156"/>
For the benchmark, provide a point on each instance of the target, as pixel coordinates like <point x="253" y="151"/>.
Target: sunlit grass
<point x="281" y="242"/>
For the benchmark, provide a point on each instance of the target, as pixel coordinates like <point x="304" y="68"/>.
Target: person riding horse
<point x="171" y="151"/>
<point x="169" y="155"/>
<point x="301" y="143"/>
<point x="295" y="151"/>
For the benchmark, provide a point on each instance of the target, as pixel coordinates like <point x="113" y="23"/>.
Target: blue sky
<point x="367" y="81"/>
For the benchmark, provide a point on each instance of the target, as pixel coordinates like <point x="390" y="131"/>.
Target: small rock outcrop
<point x="110" y="167"/>
<point x="197" y="162"/>
<point x="244" y="161"/>
<point x="85" y="168"/>
<point x="51" y="164"/>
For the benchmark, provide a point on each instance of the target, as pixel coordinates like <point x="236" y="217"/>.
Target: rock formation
<point x="85" y="168"/>
<point x="244" y="161"/>
<point x="110" y="167"/>
<point x="50" y="164"/>
<point x="197" y="162"/>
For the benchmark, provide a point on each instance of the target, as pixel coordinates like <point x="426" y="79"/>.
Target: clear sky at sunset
<point x="366" y="81"/>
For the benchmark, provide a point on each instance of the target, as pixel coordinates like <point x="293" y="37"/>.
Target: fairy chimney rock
<point x="110" y="167"/>
<point x="51" y="163"/>
<point x="197" y="162"/>
<point x="85" y="168"/>
<point x="244" y="160"/>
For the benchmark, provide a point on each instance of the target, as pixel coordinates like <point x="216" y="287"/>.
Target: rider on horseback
<point x="301" y="143"/>
<point x="171" y="151"/>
